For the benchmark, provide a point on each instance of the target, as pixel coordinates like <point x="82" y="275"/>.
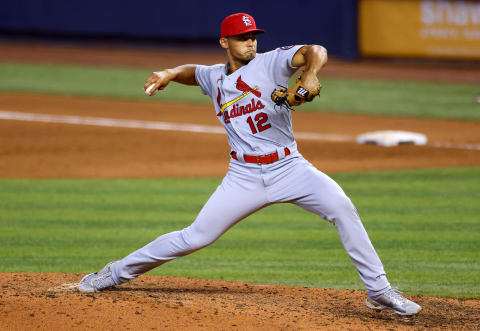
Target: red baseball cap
<point x="238" y="23"/>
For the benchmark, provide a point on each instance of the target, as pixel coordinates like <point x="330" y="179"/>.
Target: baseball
<point x="149" y="89"/>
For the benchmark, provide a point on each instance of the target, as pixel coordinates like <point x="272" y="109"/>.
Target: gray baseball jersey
<point x="243" y="104"/>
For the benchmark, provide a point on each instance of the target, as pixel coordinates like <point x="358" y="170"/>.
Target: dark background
<point x="332" y="23"/>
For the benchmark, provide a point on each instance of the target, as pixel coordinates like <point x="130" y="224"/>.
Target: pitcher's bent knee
<point x="195" y="240"/>
<point x="343" y="210"/>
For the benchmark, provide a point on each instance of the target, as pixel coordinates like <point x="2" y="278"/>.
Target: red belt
<point x="261" y="159"/>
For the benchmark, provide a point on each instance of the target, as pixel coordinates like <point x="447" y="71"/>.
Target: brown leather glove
<point x="295" y="95"/>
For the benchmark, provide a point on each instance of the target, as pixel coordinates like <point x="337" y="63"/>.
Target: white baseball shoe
<point x="393" y="300"/>
<point x="97" y="281"/>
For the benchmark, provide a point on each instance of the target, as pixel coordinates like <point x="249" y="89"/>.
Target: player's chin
<point x="249" y="55"/>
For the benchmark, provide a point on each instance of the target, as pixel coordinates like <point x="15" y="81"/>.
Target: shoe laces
<point x="395" y="294"/>
<point x="103" y="280"/>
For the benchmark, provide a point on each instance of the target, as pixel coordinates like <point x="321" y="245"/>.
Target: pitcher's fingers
<point x="153" y="78"/>
<point x="147" y="85"/>
<point x="149" y="81"/>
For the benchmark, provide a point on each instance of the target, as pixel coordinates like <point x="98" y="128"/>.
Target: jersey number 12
<point x="260" y="120"/>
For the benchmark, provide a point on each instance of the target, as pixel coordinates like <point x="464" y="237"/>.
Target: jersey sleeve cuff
<point x="199" y="81"/>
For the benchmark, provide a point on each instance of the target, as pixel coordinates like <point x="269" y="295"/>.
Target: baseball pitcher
<point x="253" y="102"/>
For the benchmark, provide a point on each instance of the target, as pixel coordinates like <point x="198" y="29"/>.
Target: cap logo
<point x="246" y="20"/>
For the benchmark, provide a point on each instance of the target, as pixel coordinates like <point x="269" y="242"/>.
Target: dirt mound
<point x="46" y="301"/>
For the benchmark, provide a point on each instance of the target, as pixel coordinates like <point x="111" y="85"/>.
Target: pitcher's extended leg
<point x="330" y="202"/>
<point x="230" y="203"/>
<point x="314" y="191"/>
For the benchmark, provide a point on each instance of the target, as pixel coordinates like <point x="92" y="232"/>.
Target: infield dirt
<point x="43" y="301"/>
<point x="47" y="150"/>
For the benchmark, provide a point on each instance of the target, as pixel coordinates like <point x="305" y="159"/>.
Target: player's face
<point x="243" y="48"/>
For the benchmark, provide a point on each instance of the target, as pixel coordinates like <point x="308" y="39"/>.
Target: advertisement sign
<point x="422" y="28"/>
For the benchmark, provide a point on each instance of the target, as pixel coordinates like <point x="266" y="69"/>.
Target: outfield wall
<point x="325" y="22"/>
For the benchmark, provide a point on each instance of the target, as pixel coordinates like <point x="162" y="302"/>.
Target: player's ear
<point x="223" y="42"/>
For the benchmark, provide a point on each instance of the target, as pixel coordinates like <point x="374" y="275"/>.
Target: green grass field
<point x="424" y="225"/>
<point x="453" y="101"/>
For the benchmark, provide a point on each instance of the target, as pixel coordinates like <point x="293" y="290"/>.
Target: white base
<point x="392" y="138"/>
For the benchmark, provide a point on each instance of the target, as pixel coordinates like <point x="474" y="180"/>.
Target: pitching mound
<point x="33" y="301"/>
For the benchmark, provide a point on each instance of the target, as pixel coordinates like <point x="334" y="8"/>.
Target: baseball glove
<point x="295" y="95"/>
